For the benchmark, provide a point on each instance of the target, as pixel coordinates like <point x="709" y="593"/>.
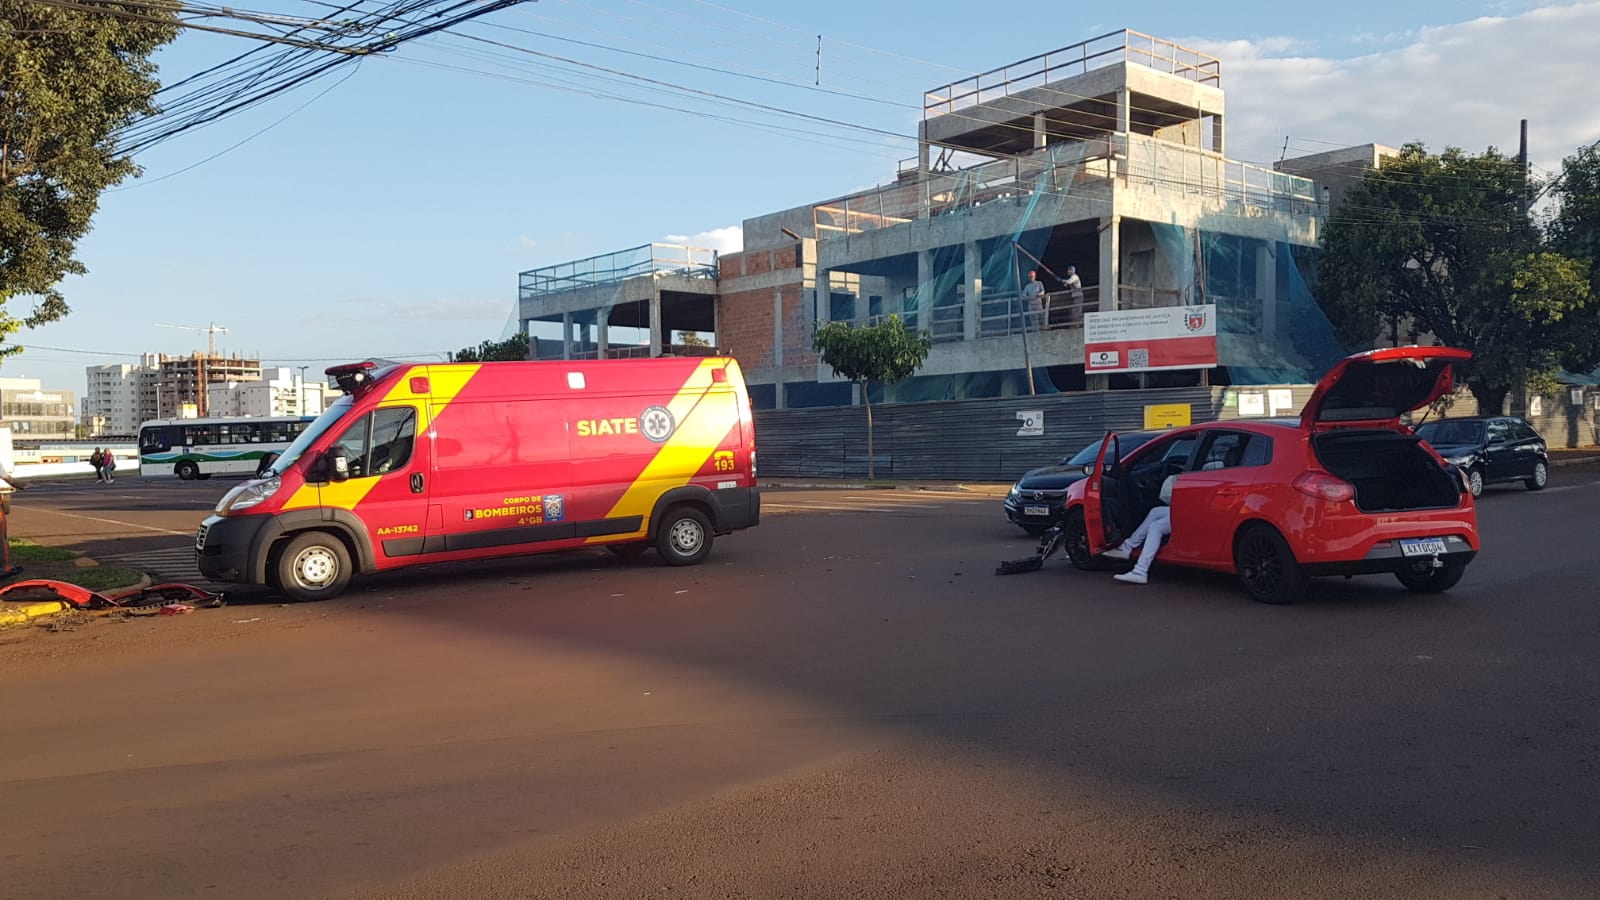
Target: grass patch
<point x="95" y="578"/>
<point x="24" y="551"/>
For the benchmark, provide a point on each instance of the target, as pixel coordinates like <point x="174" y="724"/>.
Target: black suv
<point x="1491" y="449"/>
<point x="1038" y="498"/>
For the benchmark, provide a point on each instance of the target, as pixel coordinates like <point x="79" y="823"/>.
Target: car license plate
<point x="1036" y="510"/>
<point x="1424" y="547"/>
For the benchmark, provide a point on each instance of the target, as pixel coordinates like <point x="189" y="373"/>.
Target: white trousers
<point x="1148" y="536"/>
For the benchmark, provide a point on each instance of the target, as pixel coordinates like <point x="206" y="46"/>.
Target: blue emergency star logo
<point x="656" y="423"/>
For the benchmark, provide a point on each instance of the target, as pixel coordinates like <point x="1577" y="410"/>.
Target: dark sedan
<point x="1037" y="499"/>
<point x="1491" y="450"/>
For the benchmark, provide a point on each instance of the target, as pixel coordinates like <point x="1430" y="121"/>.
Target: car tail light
<point x="1323" y="486"/>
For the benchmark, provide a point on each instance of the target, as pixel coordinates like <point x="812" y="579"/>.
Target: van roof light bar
<point x="351" y="377"/>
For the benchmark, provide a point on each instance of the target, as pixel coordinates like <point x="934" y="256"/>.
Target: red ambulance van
<point x="424" y="463"/>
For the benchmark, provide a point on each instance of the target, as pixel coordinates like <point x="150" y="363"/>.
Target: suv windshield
<point x="1448" y="432"/>
<point x="315" y="430"/>
<point x="1127" y="443"/>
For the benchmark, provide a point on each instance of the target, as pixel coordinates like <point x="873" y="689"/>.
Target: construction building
<point x="1107" y="156"/>
<point x="35" y="414"/>
<point x="122" y="396"/>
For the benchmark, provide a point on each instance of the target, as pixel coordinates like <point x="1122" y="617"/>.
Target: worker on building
<point x="1033" y="301"/>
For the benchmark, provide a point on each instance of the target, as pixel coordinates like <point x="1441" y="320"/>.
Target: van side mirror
<point x="338" y="463"/>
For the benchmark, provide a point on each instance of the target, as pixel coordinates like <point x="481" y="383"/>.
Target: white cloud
<point x="527" y="242"/>
<point x="1463" y="85"/>
<point x="722" y="240"/>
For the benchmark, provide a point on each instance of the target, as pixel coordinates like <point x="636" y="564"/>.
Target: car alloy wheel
<point x="1541" y="476"/>
<point x="1475" y="482"/>
<point x="1267" y="567"/>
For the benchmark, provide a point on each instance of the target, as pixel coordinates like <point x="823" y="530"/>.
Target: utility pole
<point x="303" y="389"/>
<point x="1522" y="168"/>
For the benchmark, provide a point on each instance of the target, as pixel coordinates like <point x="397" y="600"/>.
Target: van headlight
<point x="247" y="495"/>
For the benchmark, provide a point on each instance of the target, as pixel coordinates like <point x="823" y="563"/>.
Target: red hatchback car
<point x="1346" y="490"/>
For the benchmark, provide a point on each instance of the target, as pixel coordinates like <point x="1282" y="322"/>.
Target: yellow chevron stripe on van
<point x="444" y="382"/>
<point x="699" y="432"/>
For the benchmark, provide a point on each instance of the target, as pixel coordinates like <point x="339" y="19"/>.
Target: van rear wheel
<point x="683" y="537"/>
<point x="314" y="565"/>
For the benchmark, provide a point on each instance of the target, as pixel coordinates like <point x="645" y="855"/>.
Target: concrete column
<point x="1110" y="261"/>
<point x="1039" y="130"/>
<point x="656" y="336"/>
<point x="602" y="334"/>
<point x="777" y="333"/>
<point x="974" y="279"/>
<point x="820" y="297"/>
<point x="925" y="289"/>
<point x="566" y="335"/>
<point x="1124" y="111"/>
<point x="1267" y="288"/>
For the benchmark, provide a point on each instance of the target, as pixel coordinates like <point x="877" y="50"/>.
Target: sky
<point x="388" y="214"/>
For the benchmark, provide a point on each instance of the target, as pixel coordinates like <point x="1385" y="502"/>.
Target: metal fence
<point x="976" y="440"/>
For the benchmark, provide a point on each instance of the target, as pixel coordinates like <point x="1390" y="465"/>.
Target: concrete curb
<point x="26" y="614"/>
<point x="1575" y="461"/>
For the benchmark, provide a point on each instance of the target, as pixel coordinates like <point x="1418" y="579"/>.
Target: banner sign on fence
<point x="1149" y="340"/>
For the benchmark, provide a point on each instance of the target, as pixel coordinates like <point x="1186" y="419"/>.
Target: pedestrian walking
<point x="97" y="460"/>
<point x="108" y="465"/>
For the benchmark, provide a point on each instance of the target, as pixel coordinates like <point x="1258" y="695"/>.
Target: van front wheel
<point x="314" y="565"/>
<point x="683" y="537"/>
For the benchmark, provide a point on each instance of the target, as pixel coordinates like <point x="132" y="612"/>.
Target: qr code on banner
<point x="1139" y="359"/>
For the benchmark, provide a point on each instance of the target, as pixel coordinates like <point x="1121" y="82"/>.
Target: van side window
<point x="380" y="442"/>
<point x="393" y="431"/>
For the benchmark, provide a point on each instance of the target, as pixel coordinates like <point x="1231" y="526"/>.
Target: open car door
<point x="1106" y="466"/>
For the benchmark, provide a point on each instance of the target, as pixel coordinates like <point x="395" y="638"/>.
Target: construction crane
<point x="211" y="331"/>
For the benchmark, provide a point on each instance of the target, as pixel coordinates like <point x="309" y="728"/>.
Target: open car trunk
<point x="1390" y="471"/>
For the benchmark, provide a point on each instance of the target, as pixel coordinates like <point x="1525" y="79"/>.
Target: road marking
<point x="57" y="512"/>
<point x="167" y="564"/>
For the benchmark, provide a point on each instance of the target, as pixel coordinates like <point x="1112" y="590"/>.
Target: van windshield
<point x="315" y="430"/>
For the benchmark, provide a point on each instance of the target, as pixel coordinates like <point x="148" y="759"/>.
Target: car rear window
<point x="1452" y="432"/>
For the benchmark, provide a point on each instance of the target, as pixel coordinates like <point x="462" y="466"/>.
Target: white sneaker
<point x="1131" y="578"/>
<point x="1121" y="552"/>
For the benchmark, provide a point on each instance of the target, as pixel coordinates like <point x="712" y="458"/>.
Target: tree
<point x="69" y="80"/>
<point x="886" y="352"/>
<point x="511" y="349"/>
<point x="1444" y="243"/>
<point x="1575" y="227"/>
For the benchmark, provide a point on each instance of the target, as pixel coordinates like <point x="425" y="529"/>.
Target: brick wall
<point x="746" y="326"/>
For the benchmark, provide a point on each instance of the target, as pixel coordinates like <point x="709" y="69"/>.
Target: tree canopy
<point x="69" y="80"/>
<point x="512" y="349"/>
<point x="886" y="353"/>
<point x="1444" y="244"/>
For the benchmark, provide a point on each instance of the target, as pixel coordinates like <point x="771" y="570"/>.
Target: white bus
<point x="200" y="448"/>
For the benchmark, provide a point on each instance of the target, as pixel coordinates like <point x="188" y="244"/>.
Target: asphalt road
<point x="843" y="702"/>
